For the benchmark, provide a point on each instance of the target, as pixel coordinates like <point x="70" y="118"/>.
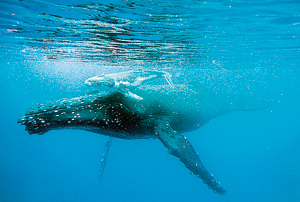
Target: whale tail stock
<point x="216" y="102"/>
<point x="180" y="147"/>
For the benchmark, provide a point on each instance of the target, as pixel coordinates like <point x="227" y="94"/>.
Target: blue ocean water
<point x="242" y="48"/>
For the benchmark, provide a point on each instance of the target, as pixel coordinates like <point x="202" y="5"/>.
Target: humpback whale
<point x="165" y="113"/>
<point x="126" y="81"/>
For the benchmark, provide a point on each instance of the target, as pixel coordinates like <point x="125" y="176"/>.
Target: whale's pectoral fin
<point x="180" y="147"/>
<point x="168" y="77"/>
<point x="129" y="94"/>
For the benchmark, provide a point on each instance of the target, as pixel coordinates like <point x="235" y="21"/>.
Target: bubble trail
<point x="104" y="158"/>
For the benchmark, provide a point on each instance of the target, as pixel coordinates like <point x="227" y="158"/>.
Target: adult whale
<point x="164" y="113"/>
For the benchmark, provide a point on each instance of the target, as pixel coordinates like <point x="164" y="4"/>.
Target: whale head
<point x="105" y="113"/>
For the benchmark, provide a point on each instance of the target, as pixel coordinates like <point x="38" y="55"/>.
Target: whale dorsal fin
<point x="179" y="146"/>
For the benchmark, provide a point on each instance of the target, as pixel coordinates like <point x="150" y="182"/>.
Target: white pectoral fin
<point x="180" y="147"/>
<point x="127" y="93"/>
<point x="168" y="77"/>
<point x="135" y="96"/>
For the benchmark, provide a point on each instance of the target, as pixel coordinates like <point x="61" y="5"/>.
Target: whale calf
<point x="126" y="81"/>
<point x="164" y="113"/>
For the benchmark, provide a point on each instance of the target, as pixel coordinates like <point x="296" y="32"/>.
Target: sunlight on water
<point x="113" y="33"/>
<point x="155" y="32"/>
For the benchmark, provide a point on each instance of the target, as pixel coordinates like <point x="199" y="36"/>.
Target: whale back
<point x="190" y="106"/>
